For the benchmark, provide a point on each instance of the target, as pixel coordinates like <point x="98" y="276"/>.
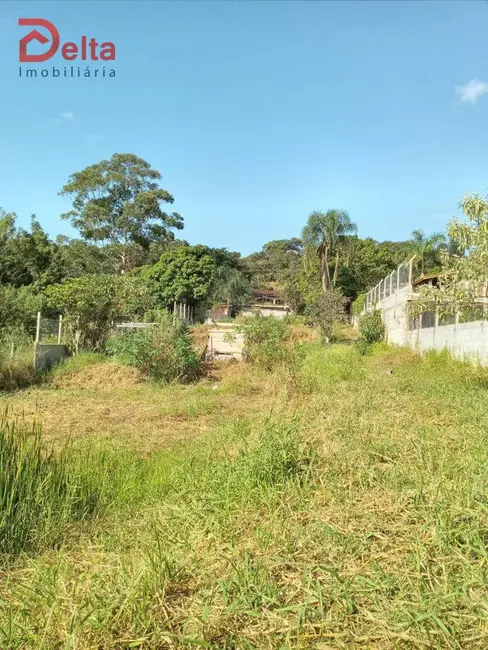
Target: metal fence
<point x="476" y="312"/>
<point x="398" y="279"/>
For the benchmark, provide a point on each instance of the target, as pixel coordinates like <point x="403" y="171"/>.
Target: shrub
<point x="92" y="303"/>
<point x="358" y="304"/>
<point x="371" y="329"/>
<point x="325" y="311"/>
<point x="265" y="340"/>
<point x="163" y="352"/>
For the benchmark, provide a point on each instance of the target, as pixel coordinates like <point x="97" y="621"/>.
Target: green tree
<point x="464" y="276"/>
<point x="91" y="305"/>
<point x="324" y="235"/>
<point x="184" y="273"/>
<point x="326" y="311"/>
<point x="371" y="262"/>
<point x="277" y="262"/>
<point x="25" y="257"/>
<point x="427" y="249"/>
<point x="19" y="307"/>
<point x="229" y="285"/>
<point x="118" y="202"/>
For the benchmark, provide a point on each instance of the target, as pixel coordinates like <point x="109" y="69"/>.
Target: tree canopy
<point x="118" y="202"/>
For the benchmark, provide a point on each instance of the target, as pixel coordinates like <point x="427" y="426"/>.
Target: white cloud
<point x="67" y="116"/>
<point x="472" y="91"/>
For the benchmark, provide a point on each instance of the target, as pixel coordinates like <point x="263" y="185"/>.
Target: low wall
<point x="464" y="340"/>
<point x="47" y="354"/>
<point x="220" y="347"/>
<point x="276" y="311"/>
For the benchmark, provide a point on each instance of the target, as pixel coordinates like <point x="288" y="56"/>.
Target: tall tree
<point x="118" y="202"/>
<point x="183" y="273"/>
<point x="229" y="285"/>
<point x="324" y="234"/>
<point x="427" y="248"/>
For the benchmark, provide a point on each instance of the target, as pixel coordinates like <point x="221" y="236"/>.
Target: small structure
<point x="48" y="348"/>
<point x="266" y="302"/>
<point x="224" y="343"/>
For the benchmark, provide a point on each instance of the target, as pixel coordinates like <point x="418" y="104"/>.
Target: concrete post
<point x="38" y="326"/>
<point x="60" y="328"/>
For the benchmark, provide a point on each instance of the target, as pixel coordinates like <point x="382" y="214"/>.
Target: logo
<point x="87" y="49"/>
<point x="34" y="35"/>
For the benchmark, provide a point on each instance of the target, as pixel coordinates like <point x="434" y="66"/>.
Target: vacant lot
<point x="338" y="503"/>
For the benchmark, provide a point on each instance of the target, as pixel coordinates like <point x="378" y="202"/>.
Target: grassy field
<point x="342" y="503"/>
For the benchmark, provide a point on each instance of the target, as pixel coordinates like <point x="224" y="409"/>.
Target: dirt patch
<point x="101" y="376"/>
<point x="303" y="334"/>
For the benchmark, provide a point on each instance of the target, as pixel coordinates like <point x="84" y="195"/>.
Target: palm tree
<point x="326" y="233"/>
<point x="426" y="248"/>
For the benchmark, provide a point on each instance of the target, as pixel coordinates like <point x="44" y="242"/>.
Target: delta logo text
<point x="38" y="47"/>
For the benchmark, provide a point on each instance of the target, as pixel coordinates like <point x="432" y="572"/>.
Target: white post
<point x="60" y="328"/>
<point x="38" y="326"/>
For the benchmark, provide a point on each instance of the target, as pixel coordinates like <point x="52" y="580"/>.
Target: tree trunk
<point x="324" y="267"/>
<point x="336" y="268"/>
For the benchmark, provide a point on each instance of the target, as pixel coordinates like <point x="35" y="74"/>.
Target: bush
<point x="265" y="340"/>
<point x="163" y="352"/>
<point x="92" y="303"/>
<point x="358" y="304"/>
<point x="371" y="330"/>
<point x="326" y="311"/>
<point x="18" y="308"/>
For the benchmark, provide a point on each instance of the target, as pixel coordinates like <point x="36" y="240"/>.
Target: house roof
<point x="425" y="278"/>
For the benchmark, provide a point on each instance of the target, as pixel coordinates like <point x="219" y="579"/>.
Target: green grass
<point x="16" y="363"/>
<point x="350" y="511"/>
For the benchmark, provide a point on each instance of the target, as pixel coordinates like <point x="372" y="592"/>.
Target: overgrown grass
<point x="351" y="513"/>
<point x="75" y="364"/>
<point x="16" y="361"/>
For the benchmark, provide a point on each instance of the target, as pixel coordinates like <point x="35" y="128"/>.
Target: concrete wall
<point x="464" y="340"/>
<point x="46" y="355"/>
<point x="278" y="312"/>
<point x="218" y="346"/>
<point x="394" y="314"/>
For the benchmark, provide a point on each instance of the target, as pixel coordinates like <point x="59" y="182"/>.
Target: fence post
<point x="38" y="326"/>
<point x="60" y="328"/>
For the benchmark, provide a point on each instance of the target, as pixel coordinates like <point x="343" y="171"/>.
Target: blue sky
<point x="257" y="113"/>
